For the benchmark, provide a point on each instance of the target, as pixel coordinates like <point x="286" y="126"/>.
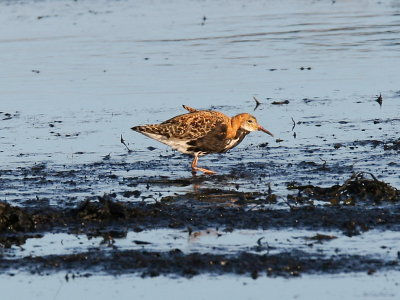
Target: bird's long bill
<point x="264" y="130"/>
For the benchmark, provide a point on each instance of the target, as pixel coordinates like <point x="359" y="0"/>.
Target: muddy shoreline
<point x="92" y="215"/>
<point x="151" y="264"/>
<point x="360" y="204"/>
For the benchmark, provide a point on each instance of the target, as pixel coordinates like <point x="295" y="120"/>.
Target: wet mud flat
<point x="361" y="204"/>
<point x="266" y="213"/>
<point x="321" y="200"/>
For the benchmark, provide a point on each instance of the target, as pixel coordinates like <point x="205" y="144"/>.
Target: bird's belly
<point x="179" y="145"/>
<point x="176" y="144"/>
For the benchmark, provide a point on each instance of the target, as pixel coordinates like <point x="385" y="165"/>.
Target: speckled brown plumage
<point x="202" y="132"/>
<point x="188" y="126"/>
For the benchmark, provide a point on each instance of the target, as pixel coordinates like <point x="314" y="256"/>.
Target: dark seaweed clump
<point x="14" y="219"/>
<point x="393" y="145"/>
<point x="358" y="188"/>
<point x="14" y="225"/>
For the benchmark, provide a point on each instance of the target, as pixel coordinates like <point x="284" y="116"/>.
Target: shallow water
<point x="77" y="75"/>
<point x="349" y="286"/>
<point x="372" y="243"/>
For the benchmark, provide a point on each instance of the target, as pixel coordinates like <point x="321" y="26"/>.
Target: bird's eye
<point x="249" y="121"/>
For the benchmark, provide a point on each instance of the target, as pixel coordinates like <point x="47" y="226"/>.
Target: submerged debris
<point x="217" y="196"/>
<point x="321" y="237"/>
<point x="392" y="145"/>
<point x="105" y="209"/>
<point x="8" y="116"/>
<point x="280" y="102"/>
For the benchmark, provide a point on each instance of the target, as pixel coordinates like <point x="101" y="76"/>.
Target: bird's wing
<point x="194" y="125"/>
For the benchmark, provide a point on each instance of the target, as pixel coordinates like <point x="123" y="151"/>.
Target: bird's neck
<point x="235" y="124"/>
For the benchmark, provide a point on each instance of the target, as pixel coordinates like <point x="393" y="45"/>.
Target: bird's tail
<point x="137" y="128"/>
<point x="143" y="128"/>
<point x="189" y="109"/>
<point x="149" y="129"/>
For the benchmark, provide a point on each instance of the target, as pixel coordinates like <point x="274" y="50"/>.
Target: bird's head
<point x="249" y="123"/>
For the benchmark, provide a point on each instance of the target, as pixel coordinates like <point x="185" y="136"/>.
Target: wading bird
<point x="202" y="132"/>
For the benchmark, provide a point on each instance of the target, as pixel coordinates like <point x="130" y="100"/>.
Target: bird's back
<point x="187" y="126"/>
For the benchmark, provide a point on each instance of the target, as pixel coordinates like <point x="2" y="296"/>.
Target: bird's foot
<point x="205" y="171"/>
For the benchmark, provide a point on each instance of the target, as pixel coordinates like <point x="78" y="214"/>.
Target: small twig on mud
<point x="260" y="245"/>
<point x="190" y="230"/>
<point x="294" y="124"/>
<point x="291" y="207"/>
<point x="379" y="99"/>
<point x="361" y="173"/>
<point x="372" y="175"/>
<point x="123" y="142"/>
<point x="257" y="102"/>
<point x="324" y="164"/>
<point x="151" y="197"/>
<point x="255" y="206"/>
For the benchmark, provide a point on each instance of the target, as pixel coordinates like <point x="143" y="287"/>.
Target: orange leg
<point x="195" y="168"/>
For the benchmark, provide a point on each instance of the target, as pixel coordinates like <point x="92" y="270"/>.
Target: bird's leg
<point x="195" y="168"/>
